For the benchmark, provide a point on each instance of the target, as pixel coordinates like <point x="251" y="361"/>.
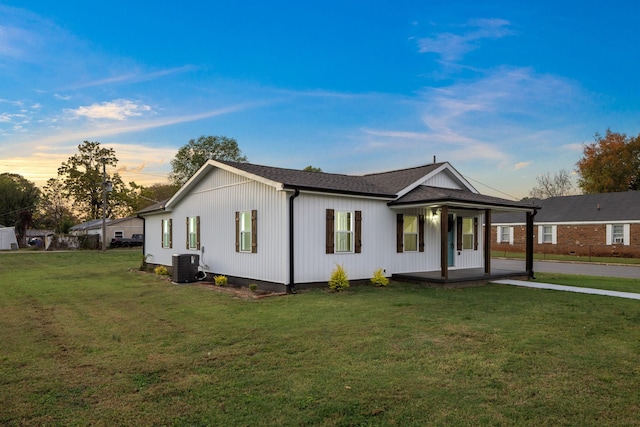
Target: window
<point x="247" y="231"/>
<point x="410" y="233"/>
<point x="547" y="234"/>
<point x="167" y="233"/>
<point x="344" y="232"/>
<point x="193" y="232"/>
<point x="467" y="233"/>
<point x="505" y="234"/>
<point x="617" y="233"/>
<point x="118" y="234"/>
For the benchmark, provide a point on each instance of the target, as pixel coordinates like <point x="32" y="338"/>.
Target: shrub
<point x="220" y="280"/>
<point x="338" y="280"/>
<point x="253" y="287"/>
<point x="161" y="270"/>
<point x="379" y="278"/>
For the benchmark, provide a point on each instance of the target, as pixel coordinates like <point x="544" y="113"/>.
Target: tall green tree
<point x="195" y="153"/>
<point x="18" y="199"/>
<point x="82" y="178"/>
<point x="147" y="196"/>
<point x="611" y="163"/>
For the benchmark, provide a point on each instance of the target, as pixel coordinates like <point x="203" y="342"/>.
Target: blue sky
<point x="503" y="90"/>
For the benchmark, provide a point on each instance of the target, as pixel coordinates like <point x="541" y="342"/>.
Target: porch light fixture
<point x="434" y="211"/>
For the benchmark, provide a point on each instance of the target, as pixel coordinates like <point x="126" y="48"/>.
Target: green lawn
<point x="557" y="257"/>
<point x="85" y="339"/>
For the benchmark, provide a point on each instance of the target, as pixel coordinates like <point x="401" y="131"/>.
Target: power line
<point x="494" y="189"/>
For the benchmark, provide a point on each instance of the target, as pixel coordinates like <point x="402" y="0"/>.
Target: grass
<point x="608" y="283"/>
<point x="85" y="339"/>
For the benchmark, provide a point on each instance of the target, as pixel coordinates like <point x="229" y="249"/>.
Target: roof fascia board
<point x="445" y="166"/>
<point x="337" y="193"/>
<point x="463" y="205"/>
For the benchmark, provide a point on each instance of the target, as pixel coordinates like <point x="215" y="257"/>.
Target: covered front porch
<point x="463" y="238"/>
<point x="462" y="277"/>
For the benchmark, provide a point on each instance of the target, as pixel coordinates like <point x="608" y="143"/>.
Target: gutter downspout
<point x="291" y="287"/>
<point x="144" y="241"/>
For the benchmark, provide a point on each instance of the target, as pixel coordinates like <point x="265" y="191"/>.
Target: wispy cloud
<point x="453" y="47"/>
<point x="120" y="109"/>
<point x="521" y="165"/>
<point x="136" y="77"/>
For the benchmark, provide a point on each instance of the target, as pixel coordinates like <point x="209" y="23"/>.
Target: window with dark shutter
<point x="358" y="232"/>
<point x="329" y="238"/>
<point x="254" y="231"/>
<point x="459" y="233"/>
<point x="475" y="233"/>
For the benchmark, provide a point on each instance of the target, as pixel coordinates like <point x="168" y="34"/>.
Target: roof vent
<point x="434" y="159"/>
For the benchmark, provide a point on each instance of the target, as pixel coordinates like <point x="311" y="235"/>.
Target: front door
<point x="450" y="239"/>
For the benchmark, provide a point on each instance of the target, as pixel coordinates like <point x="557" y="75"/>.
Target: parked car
<point x="135" y="240"/>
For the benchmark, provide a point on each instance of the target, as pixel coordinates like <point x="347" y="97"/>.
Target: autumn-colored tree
<point x="611" y="163"/>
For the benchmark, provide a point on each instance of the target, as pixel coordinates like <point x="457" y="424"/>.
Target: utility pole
<point x="104" y="205"/>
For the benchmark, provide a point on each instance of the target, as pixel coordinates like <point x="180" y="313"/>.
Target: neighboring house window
<point x="343" y="231"/>
<point x="467" y="233"/>
<point x="547" y="234"/>
<point x="193" y="232"/>
<point x="410" y="233"/>
<point x="618" y="234"/>
<point x="505" y="234"/>
<point x="247" y="231"/>
<point x="118" y="234"/>
<point x="167" y="233"/>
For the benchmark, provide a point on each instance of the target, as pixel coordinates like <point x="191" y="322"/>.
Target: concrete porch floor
<point x="463" y="277"/>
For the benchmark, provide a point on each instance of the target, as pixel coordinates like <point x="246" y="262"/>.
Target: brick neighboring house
<point x="606" y="224"/>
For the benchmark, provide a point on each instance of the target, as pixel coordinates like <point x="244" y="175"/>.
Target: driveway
<point x="585" y="269"/>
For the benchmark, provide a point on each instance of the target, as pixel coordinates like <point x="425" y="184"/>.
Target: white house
<point x="289" y="228"/>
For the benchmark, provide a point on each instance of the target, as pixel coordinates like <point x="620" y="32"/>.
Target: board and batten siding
<point x="216" y="199"/>
<point x="313" y="264"/>
<point x="443" y="180"/>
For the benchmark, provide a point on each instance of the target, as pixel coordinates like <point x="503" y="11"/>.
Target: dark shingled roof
<point x="428" y="194"/>
<point x="622" y="206"/>
<point x="385" y="185"/>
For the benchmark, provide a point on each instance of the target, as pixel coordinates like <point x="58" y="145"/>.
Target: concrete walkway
<point x="593" y="291"/>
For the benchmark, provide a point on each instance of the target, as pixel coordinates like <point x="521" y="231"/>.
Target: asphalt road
<point x="586" y="269"/>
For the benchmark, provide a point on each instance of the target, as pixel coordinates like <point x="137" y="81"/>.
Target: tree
<point x="82" y="178"/>
<point x="54" y="210"/>
<point x="552" y="186"/>
<point x="146" y="196"/>
<point x="312" y="169"/>
<point x="611" y="163"/>
<point x="194" y="154"/>
<point x="18" y="199"/>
